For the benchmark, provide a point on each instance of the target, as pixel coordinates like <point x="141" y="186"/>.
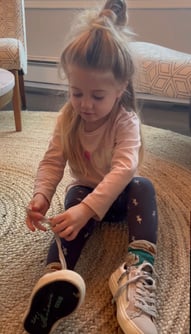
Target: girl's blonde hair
<point x="99" y="41"/>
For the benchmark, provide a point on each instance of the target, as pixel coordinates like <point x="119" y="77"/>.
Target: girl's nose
<point x="86" y="103"/>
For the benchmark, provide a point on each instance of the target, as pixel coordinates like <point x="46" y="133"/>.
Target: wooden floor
<point x="158" y="114"/>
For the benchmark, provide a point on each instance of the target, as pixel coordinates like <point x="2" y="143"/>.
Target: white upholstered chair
<point x="163" y="74"/>
<point x="13" y="52"/>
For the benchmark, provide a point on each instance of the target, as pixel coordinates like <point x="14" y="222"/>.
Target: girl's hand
<point x="68" y="224"/>
<point x="36" y="209"/>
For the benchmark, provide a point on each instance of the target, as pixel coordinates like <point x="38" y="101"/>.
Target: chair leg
<point x="22" y="90"/>
<point x="17" y="102"/>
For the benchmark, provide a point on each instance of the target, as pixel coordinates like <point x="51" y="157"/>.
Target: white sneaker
<point x="55" y="296"/>
<point x="133" y="290"/>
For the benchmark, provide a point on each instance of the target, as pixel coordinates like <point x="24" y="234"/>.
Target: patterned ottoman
<point x="162" y="74"/>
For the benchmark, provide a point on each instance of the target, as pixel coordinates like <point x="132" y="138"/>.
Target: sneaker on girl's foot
<point x="55" y="296"/>
<point x="133" y="290"/>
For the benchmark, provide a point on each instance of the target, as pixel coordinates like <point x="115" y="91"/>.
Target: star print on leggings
<point x="65" y="251"/>
<point x="139" y="219"/>
<point x="135" y="203"/>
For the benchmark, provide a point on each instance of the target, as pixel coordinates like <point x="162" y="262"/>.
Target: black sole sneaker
<point x="54" y="297"/>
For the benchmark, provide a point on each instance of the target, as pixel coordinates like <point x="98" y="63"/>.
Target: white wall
<point x="47" y="27"/>
<point x="168" y="27"/>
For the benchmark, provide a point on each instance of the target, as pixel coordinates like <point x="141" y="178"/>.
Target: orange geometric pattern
<point x="161" y="71"/>
<point x="13" y="53"/>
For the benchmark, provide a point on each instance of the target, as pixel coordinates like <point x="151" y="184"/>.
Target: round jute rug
<point x="23" y="253"/>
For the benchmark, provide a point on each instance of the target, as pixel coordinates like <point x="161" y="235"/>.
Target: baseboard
<point x="157" y="98"/>
<point x="44" y="75"/>
<point x="45" y="86"/>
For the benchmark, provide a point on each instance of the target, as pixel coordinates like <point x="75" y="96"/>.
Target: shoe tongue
<point x="147" y="267"/>
<point x="132" y="259"/>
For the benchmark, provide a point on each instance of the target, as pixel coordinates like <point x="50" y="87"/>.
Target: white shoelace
<point x="46" y="220"/>
<point x="144" y="293"/>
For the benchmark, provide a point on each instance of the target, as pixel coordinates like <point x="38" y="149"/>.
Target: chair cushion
<point x="12" y="55"/>
<point x="161" y="71"/>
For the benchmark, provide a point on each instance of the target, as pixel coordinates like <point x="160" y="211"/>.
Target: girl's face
<point x="93" y="94"/>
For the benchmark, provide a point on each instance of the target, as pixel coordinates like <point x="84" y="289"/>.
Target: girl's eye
<point x="98" y="97"/>
<point x="77" y="95"/>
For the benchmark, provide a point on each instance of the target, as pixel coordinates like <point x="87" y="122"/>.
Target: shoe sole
<point x="112" y="285"/>
<point x="54" y="297"/>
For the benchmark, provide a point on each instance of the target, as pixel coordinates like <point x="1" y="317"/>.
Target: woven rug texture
<point x="23" y="253"/>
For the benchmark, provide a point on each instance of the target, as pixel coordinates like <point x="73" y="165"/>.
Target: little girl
<point x="98" y="136"/>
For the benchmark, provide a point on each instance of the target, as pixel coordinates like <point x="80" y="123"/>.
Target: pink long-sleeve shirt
<point x="111" y="153"/>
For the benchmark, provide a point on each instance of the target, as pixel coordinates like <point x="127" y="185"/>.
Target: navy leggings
<point x="136" y="205"/>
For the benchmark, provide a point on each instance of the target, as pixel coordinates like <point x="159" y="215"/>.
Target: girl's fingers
<point x="33" y="220"/>
<point x="66" y="233"/>
<point x="57" y="220"/>
<point x="30" y="224"/>
<point x="59" y="228"/>
<point x="39" y="226"/>
<point x="34" y="215"/>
